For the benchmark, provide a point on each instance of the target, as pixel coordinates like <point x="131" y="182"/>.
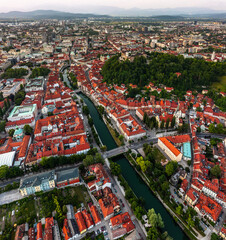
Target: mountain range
<point x="50" y="14"/>
<point x="103" y="12"/>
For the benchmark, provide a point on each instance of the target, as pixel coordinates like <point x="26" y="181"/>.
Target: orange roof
<point x="95" y="214"/>
<point x="39" y="231"/>
<point x="179" y="138"/>
<point x="88" y="219"/>
<point x="210" y="206"/>
<point x="48" y="229"/>
<point x="24" y="146"/>
<point x="120" y="219"/>
<point x="170" y="146"/>
<point x="106" y="210"/>
<point x="80" y="221"/>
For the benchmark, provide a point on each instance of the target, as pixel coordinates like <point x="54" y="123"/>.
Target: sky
<point x="82" y="5"/>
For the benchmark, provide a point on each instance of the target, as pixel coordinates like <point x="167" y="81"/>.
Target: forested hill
<point x="161" y="68"/>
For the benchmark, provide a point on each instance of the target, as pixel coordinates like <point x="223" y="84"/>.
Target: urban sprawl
<point x="160" y="90"/>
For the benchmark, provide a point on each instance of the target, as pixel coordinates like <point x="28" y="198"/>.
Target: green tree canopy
<point x="28" y="130"/>
<point x="171" y="168"/>
<point x="215" y="171"/>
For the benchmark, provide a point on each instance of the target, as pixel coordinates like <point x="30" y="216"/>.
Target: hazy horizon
<point x="72" y="6"/>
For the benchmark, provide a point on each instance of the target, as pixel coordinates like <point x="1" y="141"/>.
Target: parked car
<point x="103" y="228"/>
<point x="98" y="231"/>
<point x="105" y="233"/>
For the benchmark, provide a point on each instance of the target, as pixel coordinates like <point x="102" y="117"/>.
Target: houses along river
<point x="134" y="180"/>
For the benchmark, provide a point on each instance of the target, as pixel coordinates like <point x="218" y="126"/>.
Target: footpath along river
<point x="134" y="180"/>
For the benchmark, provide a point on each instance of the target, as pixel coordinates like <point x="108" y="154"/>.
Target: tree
<point x="5" y="105"/>
<point x="211" y="128"/>
<point x="2" y="126"/>
<point x="215" y="171"/>
<point x="198" y="129"/>
<point x="39" y="71"/>
<point x="215" y="141"/>
<point x="139" y="212"/>
<point x="152" y="234"/>
<point x="115" y="168"/>
<point x="85" y="110"/>
<point x="121" y="138"/>
<point x="190" y="222"/>
<point x="165" y="186"/>
<point x="155" y="219"/>
<point x="219" y="129"/>
<point x="171" y="168"/>
<point x="1" y="96"/>
<point x="214" y="236"/>
<point x="162" y="124"/>
<point x="167" y="123"/>
<point x="8" y="103"/>
<point x="1" y="113"/>
<point x="179" y="210"/>
<point x="144" y="164"/>
<point x="28" y="130"/>
<point x="183" y="128"/>
<point x="89" y="160"/>
<point x="103" y="148"/>
<point x="98" y="158"/>
<point x="3" y="171"/>
<point x="11" y="132"/>
<point x="160" y="221"/>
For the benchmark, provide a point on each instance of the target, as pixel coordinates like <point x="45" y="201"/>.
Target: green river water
<point x="134" y="180"/>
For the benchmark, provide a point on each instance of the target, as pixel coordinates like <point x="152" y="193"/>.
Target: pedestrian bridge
<point x="116" y="151"/>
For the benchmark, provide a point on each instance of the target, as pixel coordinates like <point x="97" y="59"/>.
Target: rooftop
<point x="67" y="174"/>
<point x="19" y="111"/>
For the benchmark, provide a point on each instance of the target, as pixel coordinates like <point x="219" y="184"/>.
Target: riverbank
<point x="138" y="186"/>
<point x="179" y="221"/>
<point x="122" y="189"/>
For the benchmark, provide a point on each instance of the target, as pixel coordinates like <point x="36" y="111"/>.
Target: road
<point x="120" y="195"/>
<point x="10" y="196"/>
<point x="57" y="169"/>
<point x="125" y="148"/>
<point x="66" y="78"/>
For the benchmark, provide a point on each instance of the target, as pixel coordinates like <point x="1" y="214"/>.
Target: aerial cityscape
<point x="112" y="120"/>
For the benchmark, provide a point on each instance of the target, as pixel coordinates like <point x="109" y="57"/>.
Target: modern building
<point x="41" y="182"/>
<point x="23" y="112"/>
<point x="187" y="151"/>
<point x="7" y="158"/>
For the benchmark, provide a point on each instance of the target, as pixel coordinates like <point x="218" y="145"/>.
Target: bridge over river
<point x="136" y="183"/>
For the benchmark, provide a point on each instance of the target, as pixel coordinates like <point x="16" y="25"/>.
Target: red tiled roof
<point x="170" y="146"/>
<point x="80" y="221"/>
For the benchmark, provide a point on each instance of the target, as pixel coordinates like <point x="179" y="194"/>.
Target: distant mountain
<point x="103" y="12"/>
<point x="138" y="12"/>
<point x="50" y="14"/>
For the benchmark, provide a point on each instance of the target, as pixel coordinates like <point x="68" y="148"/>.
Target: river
<point x="134" y="180"/>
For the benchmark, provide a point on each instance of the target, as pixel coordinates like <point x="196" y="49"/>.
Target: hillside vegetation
<point x="160" y="68"/>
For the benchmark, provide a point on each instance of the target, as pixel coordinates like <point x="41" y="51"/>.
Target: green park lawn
<point x="221" y="85"/>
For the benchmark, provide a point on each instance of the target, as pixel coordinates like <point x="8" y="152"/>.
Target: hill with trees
<point x="161" y="68"/>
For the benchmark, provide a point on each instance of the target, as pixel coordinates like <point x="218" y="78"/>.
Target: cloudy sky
<point x="76" y="5"/>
